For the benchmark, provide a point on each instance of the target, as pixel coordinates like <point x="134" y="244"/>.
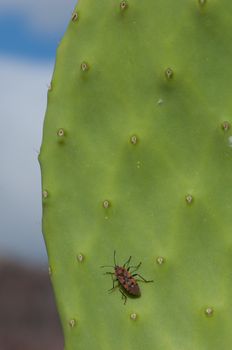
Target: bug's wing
<point x="135" y="290"/>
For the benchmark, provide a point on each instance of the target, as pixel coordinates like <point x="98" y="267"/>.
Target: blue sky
<point x="17" y="39"/>
<point x="33" y="28"/>
<point x="29" y="34"/>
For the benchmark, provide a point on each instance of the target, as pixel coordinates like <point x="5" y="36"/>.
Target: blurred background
<point x="30" y="31"/>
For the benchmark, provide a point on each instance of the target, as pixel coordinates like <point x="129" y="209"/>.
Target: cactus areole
<point x="137" y="157"/>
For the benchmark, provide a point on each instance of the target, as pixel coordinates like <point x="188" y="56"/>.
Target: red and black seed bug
<point x="127" y="283"/>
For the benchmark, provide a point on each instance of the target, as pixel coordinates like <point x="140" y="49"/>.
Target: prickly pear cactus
<point x="137" y="157"/>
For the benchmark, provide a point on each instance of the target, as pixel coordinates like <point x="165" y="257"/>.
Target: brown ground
<point x="28" y="317"/>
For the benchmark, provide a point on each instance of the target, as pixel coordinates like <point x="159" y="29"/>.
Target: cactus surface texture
<point x="137" y="157"/>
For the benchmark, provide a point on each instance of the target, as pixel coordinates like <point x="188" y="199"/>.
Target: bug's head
<point x="117" y="268"/>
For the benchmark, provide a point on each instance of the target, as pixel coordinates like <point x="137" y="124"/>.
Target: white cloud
<point x="23" y="87"/>
<point x="44" y="15"/>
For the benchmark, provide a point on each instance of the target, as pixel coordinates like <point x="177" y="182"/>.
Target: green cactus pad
<point x="137" y="157"/>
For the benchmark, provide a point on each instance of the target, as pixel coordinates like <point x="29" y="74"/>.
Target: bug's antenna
<point x="115" y="257"/>
<point x="107" y="266"/>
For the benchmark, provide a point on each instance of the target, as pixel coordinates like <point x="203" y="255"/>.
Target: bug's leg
<point x="108" y="273"/>
<point x="142" y="278"/>
<point x="113" y="280"/>
<point x="134" y="267"/>
<point x="114" y="287"/>
<point x="111" y="289"/>
<point x="123" y="296"/>
<point x="127" y="262"/>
